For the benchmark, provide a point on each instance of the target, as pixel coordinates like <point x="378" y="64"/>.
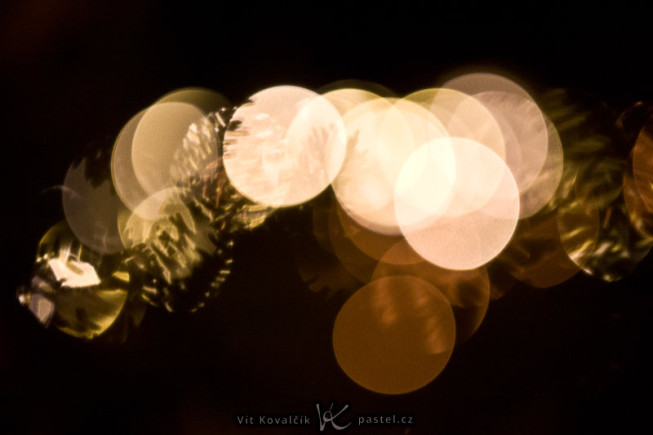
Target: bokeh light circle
<point x="477" y="218"/>
<point x="477" y="82"/>
<point x="525" y="132"/>
<point x="207" y="100"/>
<point x="284" y="146"/>
<point x="542" y="189"/>
<point x="92" y="211"/>
<point x="127" y="186"/>
<point x="394" y="335"/>
<point x="383" y="133"/>
<point x="158" y="140"/>
<point x="468" y="291"/>
<point x="463" y="116"/>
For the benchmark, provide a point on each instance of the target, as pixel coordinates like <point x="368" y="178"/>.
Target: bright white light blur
<point x="285" y="146"/>
<point x="462" y="115"/>
<point x="424" y="188"/>
<point x="74" y="274"/>
<point x="384" y="133"/>
<point x="524" y="131"/>
<point x="477" y="218"/>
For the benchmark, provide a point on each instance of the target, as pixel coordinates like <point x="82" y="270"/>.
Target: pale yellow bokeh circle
<point x="127" y="186"/>
<point x="158" y="140"/>
<point x="92" y="210"/>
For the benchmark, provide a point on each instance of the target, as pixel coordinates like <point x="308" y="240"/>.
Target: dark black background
<point x="571" y="359"/>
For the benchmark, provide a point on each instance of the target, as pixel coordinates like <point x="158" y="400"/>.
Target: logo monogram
<point x="329" y="417"/>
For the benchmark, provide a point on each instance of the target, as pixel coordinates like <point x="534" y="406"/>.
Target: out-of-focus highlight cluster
<point x="421" y="205"/>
